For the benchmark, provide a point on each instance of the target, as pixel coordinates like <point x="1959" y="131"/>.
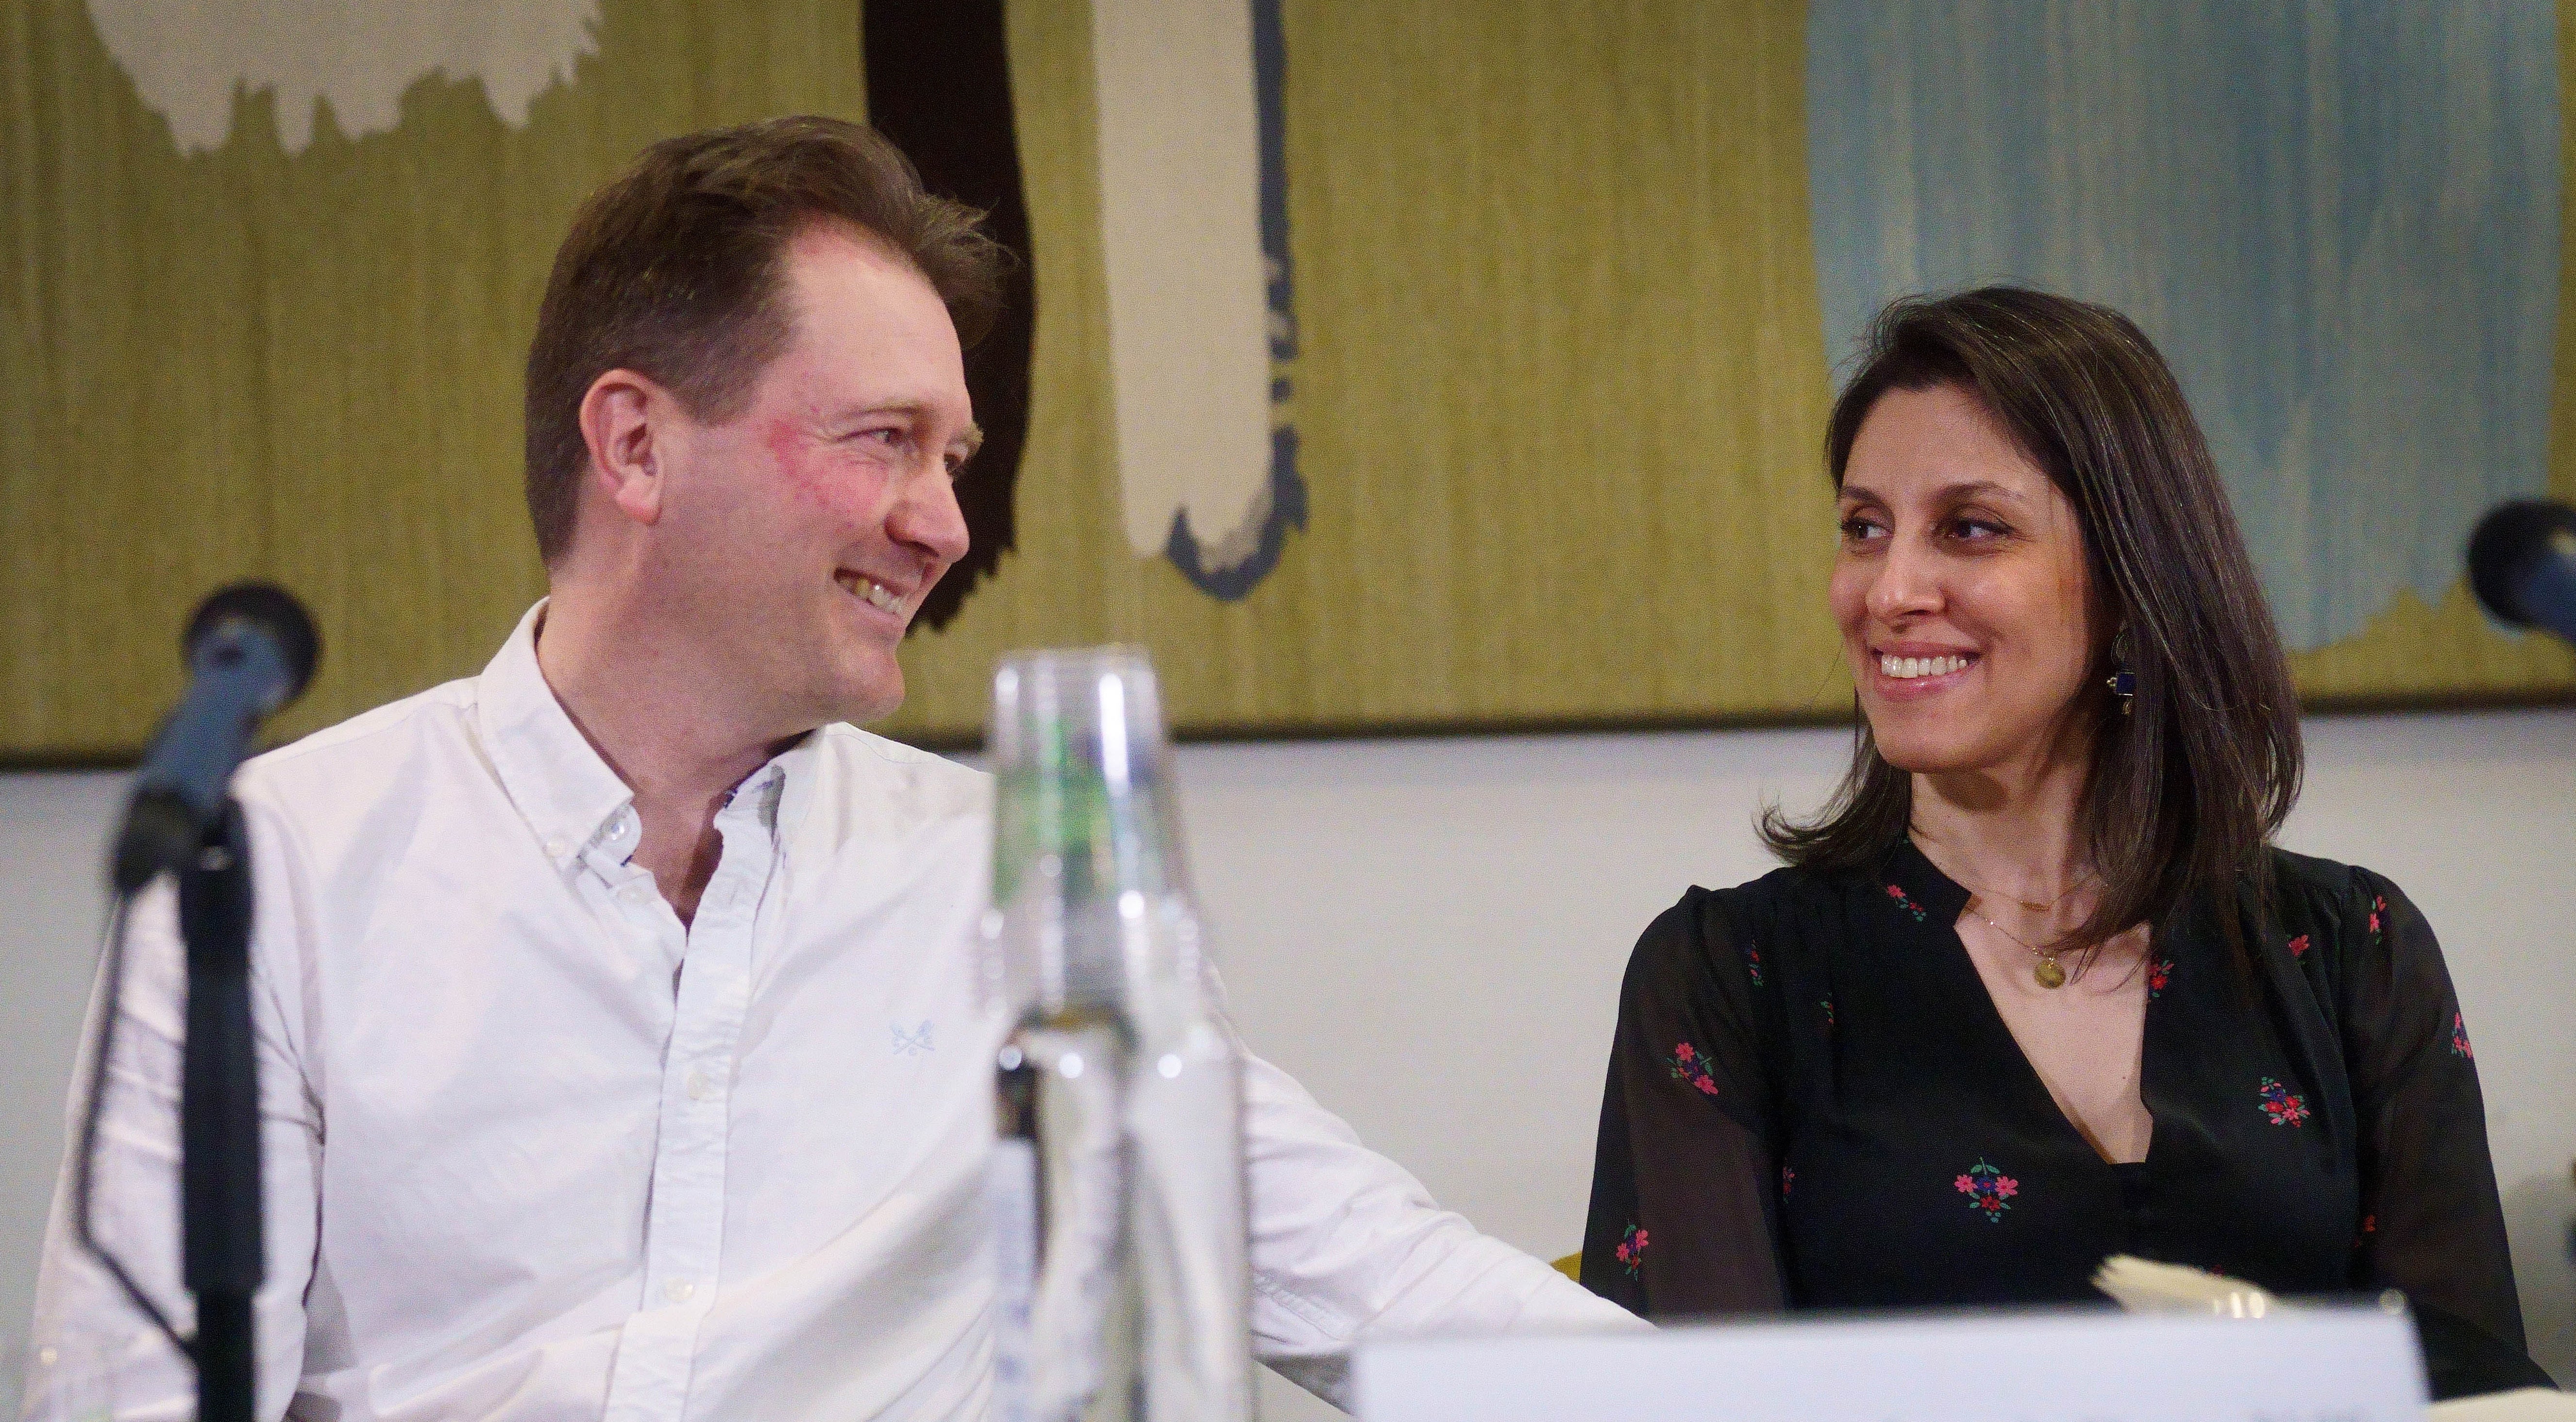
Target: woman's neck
<point x="2010" y="829"/>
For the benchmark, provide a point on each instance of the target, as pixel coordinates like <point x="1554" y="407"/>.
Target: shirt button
<point x="679" y="1290"/>
<point x="702" y="1087"/>
<point x="556" y="848"/>
<point x="635" y="893"/>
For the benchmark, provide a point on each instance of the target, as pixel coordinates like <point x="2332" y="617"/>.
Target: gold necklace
<point x="2047" y="972"/>
<point x="2026" y="903"/>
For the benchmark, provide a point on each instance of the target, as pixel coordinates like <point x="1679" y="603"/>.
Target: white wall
<point x="1430" y="934"/>
<point x="53" y="843"/>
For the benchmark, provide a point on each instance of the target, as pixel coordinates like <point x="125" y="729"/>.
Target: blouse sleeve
<point x="1684" y="1194"/>
<point x="2432" y="1225"/>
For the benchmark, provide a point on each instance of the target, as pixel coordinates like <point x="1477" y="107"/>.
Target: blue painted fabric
<point x="2340" y="221"/>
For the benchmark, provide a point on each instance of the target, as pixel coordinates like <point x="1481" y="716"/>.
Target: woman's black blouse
<point x="1813" y="1103"/>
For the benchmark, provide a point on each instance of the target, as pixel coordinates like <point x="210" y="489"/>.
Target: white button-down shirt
<point x="535" y="1149"/>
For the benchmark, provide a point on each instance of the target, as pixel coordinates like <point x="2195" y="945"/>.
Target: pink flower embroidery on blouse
<point x="2460" y="1038"/>
<point x="1686" y="1064"/>
<point x="1988" y="1189"/>
<point x="1631" y="1251"/>
<point x="1909" y="905"/>
<point x="2284" y="1108"/>
<point x="2299" y="946"/>
<point x="2378" y="906"/>
<point x="2159" y="975"/>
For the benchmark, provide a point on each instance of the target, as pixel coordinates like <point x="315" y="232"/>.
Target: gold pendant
<point x="2049" y="974"/>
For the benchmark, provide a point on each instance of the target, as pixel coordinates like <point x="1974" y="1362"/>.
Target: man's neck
<point x="663" y="724"/>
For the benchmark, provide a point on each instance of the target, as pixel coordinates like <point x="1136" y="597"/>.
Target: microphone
<point x="249" y="650"/>
<point x="2522" y="565"/>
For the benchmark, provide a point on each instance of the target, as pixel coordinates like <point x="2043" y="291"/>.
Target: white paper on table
<point x="2530" y="1404"/>
<point x="2332" y="1364"/>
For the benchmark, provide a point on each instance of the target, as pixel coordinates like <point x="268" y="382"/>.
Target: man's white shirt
<point x="534" y="1150"/>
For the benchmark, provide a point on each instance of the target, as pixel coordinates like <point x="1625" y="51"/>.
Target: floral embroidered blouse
<point x="1813" y="1103"/>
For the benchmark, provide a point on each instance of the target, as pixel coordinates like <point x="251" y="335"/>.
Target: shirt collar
<point x="1911" y="882"/>
<point x="559" y="782"/>
<point x="547" y="767"/>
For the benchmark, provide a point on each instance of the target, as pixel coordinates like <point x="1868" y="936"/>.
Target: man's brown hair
<point x="675" y="270"/>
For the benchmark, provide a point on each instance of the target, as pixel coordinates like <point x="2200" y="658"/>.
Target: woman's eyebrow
<point x="1962" y="492"/>
<point x="1946" y="495"/>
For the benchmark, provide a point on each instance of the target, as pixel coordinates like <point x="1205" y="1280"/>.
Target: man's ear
<point x="627" y="421"/>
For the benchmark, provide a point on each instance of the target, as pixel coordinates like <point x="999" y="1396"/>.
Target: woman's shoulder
<point x="1706" y="920"/>
<point x="2328" y="901"/>
<point x="1795" y="888"/>
<point x="1712" y="953"/>
<point x="2305" y="881"/>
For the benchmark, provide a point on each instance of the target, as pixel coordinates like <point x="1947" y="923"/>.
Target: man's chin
<point x="869" y="698"/>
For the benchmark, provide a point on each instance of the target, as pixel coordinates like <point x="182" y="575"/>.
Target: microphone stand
<point x="222" y="1258"/>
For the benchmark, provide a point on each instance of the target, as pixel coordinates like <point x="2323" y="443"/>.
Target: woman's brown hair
<point x="2188" y="788"/>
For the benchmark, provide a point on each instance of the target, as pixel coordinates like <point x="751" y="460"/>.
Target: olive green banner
<point x="1548" y="301"/>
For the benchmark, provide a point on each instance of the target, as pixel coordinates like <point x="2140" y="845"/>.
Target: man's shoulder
<point x="394" y="734"/>
<point x="914" y="783"/>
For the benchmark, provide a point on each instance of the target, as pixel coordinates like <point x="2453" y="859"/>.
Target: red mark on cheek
<point x="807" y="471"/>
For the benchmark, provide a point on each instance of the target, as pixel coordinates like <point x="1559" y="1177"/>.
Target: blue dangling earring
<point x="2122" y="681"/>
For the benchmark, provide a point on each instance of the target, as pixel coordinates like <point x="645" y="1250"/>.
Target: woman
<point x="2036" y="988"/>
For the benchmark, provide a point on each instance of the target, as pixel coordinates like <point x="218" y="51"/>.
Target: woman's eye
<point x="1978" y="530"/>
<point x="1859" y="528"/>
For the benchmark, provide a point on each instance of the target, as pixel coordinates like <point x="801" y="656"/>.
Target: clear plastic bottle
<point x="1118" y="1180"/>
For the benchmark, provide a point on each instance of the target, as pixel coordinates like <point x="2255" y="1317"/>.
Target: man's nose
<point x="928" y="519"/>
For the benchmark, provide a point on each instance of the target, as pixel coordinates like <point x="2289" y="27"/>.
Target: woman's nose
<point x="1907" y="582"/>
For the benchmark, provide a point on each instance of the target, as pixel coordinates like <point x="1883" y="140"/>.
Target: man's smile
<point x="870" y="591"/>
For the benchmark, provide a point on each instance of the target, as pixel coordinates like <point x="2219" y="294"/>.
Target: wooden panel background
<point x="1559" y="386"/>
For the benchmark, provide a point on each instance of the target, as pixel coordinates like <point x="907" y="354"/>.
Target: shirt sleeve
<point x="2432" y="1224"/>
<point x="1685" y="1179"/>
<point x="1347" y="1244"/>
<point x="99" y="1344"/>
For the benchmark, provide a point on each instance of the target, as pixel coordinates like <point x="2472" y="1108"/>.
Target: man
<point x="620" y="1053"/>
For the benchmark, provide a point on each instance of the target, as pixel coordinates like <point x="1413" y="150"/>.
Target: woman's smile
<point x="1912" y="671"/>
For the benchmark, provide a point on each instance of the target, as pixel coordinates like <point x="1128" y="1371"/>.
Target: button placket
<point x="684" y="1223"/>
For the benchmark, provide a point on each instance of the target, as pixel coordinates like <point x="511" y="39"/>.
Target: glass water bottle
<point x="1118" y="1180"/>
